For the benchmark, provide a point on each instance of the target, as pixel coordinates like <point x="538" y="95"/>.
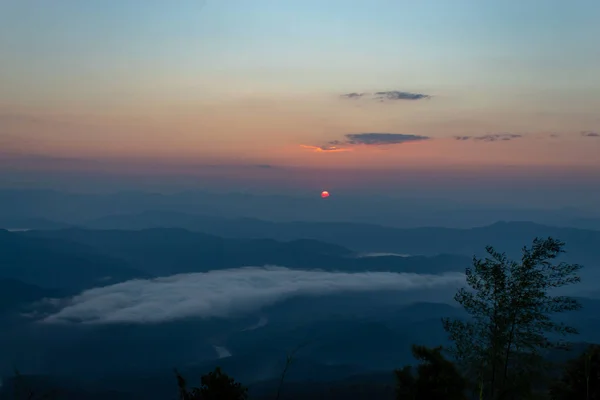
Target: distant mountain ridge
<point x="76" y="208"/>
<point x="168" y="251"/>
<point x="204" y="243"/>
<point x="13" y="223"/>
<point x="506" y="236"/>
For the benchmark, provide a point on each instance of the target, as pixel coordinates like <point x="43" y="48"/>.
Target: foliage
<point x="580" y="379"/>
<point x="215" y="385"/>
<point x="436" y="378"/>
<point x="511" y="304"/>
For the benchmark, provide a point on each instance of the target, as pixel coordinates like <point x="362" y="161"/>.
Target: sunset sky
<point x="245" y="87"/>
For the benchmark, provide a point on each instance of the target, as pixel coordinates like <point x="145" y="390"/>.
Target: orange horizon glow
<point x="250" y="130"/>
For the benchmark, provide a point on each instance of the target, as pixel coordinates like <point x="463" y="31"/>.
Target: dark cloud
<point x="398" y="95"/>
<point x="590" y="134"/>
<point x="353" y="95"/>
<point x="494" y="137"/>
<point x="264" y="166"/>
<point x="388" y="95"/>
<point x="377" y="139"/>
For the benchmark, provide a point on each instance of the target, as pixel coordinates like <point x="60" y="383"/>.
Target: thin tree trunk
<point x="587" y="375"/>
<point x="496" y="337"/>
<point x="508" y="346"/>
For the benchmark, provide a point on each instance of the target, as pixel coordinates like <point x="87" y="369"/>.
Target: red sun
<point x="324" y="194"/>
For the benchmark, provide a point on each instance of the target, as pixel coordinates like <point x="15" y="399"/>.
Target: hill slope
<point x="56" y="263"/>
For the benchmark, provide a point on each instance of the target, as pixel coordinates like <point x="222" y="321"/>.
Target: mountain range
<point x="79" y="258"/>
<point x="506" y="236"/>
<point x="43" y="264"/>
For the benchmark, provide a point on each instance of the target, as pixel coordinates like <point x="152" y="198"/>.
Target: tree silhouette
<point x="580" y="378"/>
<point x="500" y="347"/>
<point x="215" y="385"/>
<point x="23" y="391"/>
<point x="436" y="378"/>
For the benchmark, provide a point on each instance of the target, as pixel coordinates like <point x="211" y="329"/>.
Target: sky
<point x="324" y="92"/>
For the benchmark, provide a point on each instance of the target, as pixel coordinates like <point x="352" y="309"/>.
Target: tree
<point x="215" y="385"/>
<point x="580" y="378"/>
<point x="436" y="378"/>
<point x="511" y="305"/>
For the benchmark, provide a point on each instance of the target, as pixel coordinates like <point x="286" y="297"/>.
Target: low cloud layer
<point x="391" y="95"/>
<point x="226" y="293"/>
<point x="494" y="137"/>
<point x="367" y="139"/>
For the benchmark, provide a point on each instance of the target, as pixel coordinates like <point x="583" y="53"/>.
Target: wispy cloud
<point x="590" y="134"/>
<point x="325" y="148"/>
<point x="366" y="139"/>
<point x="387" y="95"/>
<point x="494" y="137"/>
<point x="226" y="293"/>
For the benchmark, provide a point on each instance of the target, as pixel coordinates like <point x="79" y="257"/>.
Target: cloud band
<point x="225" y="293"/>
